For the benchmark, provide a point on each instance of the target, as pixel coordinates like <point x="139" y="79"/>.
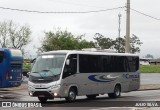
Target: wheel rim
<point x="71" y="95"/>
<point x="117" y="91"/>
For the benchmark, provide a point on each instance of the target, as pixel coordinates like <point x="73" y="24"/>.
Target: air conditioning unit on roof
<point x="99" y="50"/>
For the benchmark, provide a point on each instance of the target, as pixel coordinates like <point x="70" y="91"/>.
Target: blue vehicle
<point x="11" y="61"/>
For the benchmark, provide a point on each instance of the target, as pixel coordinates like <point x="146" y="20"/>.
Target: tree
<point x="13" y="35"/>
<point x="135" y="43"/>
<point x="104" y="43"/>
<point x="4" y="40"/>
<point x="118" y="44"/>
<point x="149" y="56"/>
<point x="63" y="40"/>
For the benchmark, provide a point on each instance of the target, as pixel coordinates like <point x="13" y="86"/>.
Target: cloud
<point x="106" y="23"/>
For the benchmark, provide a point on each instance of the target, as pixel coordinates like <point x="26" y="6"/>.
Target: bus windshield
<point x="49" y="64"/>
<point x="1" y="56"/>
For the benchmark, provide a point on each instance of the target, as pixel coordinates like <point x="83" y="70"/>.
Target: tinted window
<point x="103" y="63"/>
<point x="133" y="63"/>
<point x="120" y="63"/>
<point x="72" y="67"/>
<point x="1" y="56"/>
<point x="89" y="63"/>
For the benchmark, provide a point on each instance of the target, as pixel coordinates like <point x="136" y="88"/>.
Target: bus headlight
<point x="30" y="94"/>
<point x="54" y="86"/>
<point x="30" y="87"/>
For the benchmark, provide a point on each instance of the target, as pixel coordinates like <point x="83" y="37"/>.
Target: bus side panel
<point x="131" y="81"/>
<point x="99" y="83"/>
<point x="66" y="83"/>
<point x="90" y="86"/>
<point x="81" y="81"/>
<point x="134" y="81"/>
<point x="3" y="71"/>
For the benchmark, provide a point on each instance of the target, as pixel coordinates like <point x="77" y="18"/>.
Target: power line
<point x="53" y="12"/>
<point x="74" y="3"/>
<point x="145" y="14"/>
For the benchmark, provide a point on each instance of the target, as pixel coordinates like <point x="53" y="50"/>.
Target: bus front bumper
<point x="50" y="92"/>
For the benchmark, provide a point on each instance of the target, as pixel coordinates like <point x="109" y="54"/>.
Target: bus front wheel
<point x="43" y="99"/>
<point x="71" y="95"/>
<point x="117" y="92"/>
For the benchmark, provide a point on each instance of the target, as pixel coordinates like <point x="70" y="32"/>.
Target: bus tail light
<point x="8" y="75"/>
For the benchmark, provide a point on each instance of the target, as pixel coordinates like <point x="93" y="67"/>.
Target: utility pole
<point x="119" y="31"/>
<point x="127" y="45"/>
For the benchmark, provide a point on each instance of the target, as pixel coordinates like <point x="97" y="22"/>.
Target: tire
<point x="43" y="99"/>
<point x="117" y="92"/>
<point x="23" y="77"/>
<point x="91" y="96"/>
<point x="71" y="95"/>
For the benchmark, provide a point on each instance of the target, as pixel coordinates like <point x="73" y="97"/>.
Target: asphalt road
<point x="126" y="101"/>
<point x="150" y="78"/>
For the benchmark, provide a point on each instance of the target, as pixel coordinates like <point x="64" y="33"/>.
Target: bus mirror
<point x="67" y="62"/>
<point x="32" y="62"/>
<point x="28" y="73"/>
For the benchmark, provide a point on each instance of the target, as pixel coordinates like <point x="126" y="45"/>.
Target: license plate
<point x="39" y="86"/>
<point x="41" y="96"/>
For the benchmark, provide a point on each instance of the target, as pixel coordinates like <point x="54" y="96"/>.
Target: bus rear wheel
<point x="117" y="92"/>
<point x="43" y="99"/>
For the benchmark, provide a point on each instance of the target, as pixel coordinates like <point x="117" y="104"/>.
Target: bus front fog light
<point x="55" y="94"/>
<point x="30" y="94"/>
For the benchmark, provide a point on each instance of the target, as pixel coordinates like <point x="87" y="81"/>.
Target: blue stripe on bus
<point x="92" y="77"/>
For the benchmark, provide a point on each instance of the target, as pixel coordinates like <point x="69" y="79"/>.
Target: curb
<point x="149" y="87"/>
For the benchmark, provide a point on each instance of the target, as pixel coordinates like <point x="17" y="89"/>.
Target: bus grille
<point x="44" y="79"/>
<point x="41" y="81"/>
<point x="38" y="93"/>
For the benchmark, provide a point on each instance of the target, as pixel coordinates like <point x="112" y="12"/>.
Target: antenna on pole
<point x="119" y="31"/>
<point x="127" y="45"/>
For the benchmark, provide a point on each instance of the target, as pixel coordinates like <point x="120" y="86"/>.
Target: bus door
<point x="70" y="70"/>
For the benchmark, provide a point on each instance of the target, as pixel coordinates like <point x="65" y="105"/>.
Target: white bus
<point x="67" y="74"/>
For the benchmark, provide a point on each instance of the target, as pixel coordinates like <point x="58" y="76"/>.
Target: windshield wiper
<point x="45" y="70"/>
<point x="35" y="72"/>
<point x="48" y="71"/>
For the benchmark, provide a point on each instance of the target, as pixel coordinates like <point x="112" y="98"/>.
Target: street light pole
<point x="127" y="45"/>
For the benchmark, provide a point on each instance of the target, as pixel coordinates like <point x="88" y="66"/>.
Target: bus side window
<point x="71" y="67"/>
<point x="1" y="56"/>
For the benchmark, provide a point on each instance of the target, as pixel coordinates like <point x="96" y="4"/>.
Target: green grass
<point x="150" y="68"/>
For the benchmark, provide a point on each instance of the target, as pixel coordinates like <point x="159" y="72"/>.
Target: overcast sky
<point x="106" y="23"/>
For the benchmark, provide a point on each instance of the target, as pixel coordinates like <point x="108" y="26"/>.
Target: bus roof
<point x="14" y="52"/>
<point x="86" y="52"/>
